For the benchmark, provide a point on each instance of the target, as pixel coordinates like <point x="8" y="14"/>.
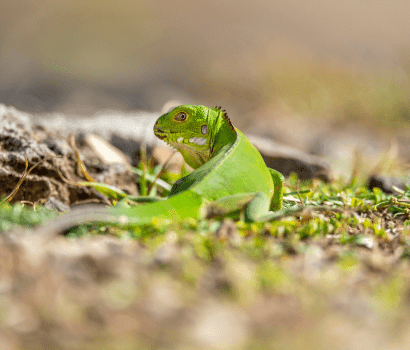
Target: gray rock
<point x="23" y="139"/>
<point x="54" y="204"/>
<point x="124" y="130"/>
<point x="386" y="183"/>
<point x="288" y="160"/>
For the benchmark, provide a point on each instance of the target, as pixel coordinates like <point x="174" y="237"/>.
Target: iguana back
<point x="237" y="168"/>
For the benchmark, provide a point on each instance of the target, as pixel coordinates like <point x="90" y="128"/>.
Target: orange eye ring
<point x="181" y="117"/>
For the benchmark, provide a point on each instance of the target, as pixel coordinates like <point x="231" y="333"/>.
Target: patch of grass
<point x="12" y="216"/>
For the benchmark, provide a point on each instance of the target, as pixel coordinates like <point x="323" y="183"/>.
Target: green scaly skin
<point x="230" y="175"/>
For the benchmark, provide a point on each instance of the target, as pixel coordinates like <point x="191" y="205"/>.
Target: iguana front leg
<point x="255" y="206"/>
<point x="278" y="183"/>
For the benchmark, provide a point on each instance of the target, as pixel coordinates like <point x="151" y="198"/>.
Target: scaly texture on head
<point x="197" y="132"/>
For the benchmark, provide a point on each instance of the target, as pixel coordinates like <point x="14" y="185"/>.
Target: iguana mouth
<point x="161" y="134"/>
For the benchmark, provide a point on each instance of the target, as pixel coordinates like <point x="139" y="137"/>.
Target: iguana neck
<point x="223" y="134"/>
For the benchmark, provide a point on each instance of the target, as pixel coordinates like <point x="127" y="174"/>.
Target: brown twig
<point x="10" y="197"/>
<point x="79" y="161"/>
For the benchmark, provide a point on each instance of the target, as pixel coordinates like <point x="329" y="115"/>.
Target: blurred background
<point x="295" y="70"/>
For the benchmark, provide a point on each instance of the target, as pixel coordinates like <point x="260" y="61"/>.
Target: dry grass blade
<point x="79" y="161"/>
<point x="297" y="190"/>
<point x="10" y="197"/>
<point x="356" y="161"/>
<point x="66" y="180"/>
<point x="300" y="197"/>
<point x="13" y="193"/>
<point x="28" y="203"/>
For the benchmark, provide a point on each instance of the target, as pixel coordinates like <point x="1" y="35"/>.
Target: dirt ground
<point x="107" y="292"/>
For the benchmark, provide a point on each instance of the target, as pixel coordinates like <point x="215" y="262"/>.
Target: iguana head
<point x="193" y="131"/>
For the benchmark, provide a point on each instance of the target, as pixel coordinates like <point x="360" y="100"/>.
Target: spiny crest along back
<point x="225" y="115"/>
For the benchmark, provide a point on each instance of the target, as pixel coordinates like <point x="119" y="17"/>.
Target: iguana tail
<point x="177" y="208"/>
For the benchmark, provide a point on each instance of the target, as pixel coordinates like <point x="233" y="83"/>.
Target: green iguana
<point x="230" y="175"/>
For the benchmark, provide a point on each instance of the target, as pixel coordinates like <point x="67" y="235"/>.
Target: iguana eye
<point x="180" y="117"/>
